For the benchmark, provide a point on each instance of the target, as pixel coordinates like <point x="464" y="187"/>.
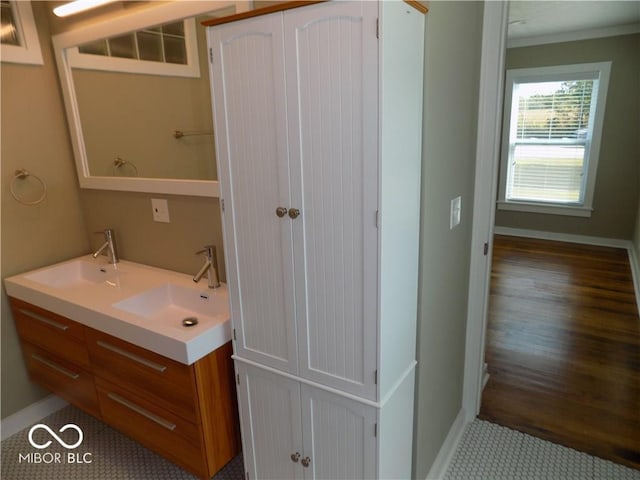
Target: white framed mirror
<point x="137" y="96"/>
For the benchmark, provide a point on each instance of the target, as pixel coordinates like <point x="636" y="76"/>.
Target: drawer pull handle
<point x="145" y="413"/>
<point x="42" y="319"/>
<point x="57" y="368"/>
<point x="132" y="356"/>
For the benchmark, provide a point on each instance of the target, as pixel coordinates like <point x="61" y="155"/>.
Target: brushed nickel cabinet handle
<point x="142" y="411"/>
<point x="281" y="211"/>
<point x="55" y="366"/>
<point x="294" y="213"/>
<point x="132" y="356"/>
<point x="42" y="319"/>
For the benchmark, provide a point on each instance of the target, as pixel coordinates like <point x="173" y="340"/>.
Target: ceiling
<point x="535" y="22"/>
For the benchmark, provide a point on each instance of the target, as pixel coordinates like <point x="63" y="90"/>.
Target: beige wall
<point x="35" y="137"/>
<point x="617" y="187"/>
<point x="450" y="121"/>
<point x="195" y="222"/>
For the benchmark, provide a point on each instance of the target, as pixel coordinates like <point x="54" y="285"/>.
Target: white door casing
<point x="486" y="179"/>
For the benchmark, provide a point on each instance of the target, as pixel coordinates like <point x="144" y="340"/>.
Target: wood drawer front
<point x="52" y="332"/>
<point x="156" y="428"/>
<point x="64" y="378"/>
<point x="170" y="384"/>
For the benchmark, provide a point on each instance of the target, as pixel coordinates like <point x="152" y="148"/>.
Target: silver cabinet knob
<point x="281" y="211"/>
<point x="295" y="457"/>
<point x="294" y="212"/>
<point x="306" y="461"/>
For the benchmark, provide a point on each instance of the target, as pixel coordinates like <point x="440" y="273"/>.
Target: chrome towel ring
<point x="23" y="174"/>
<point x="119" y="162"/>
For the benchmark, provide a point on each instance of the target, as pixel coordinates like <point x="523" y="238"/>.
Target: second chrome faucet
<point x="109" y="245"/>
<point x="210" y="267"/>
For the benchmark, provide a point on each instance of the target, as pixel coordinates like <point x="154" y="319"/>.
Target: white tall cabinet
<point x="318" y="114"/>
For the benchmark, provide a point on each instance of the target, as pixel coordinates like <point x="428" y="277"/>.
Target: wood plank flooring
<point x="563" y="346"/>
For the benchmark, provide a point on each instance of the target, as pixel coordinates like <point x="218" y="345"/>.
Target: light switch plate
<point x="160" y="209"/>
<point x="456" y="208"/>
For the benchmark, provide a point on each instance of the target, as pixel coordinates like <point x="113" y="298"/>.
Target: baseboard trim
<point x="635" y="271"/>
<point x="562" y="237"/>
<point x="29" y="415"/>
<point x="485" y="375"/>
<point x="447" y="451"/>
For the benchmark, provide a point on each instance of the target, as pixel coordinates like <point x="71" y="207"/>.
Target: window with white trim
<point x="170" y="49"/>
<point x="164" y="43"/>
<point x="551" y="138"/>
<point x="19" y="41"/>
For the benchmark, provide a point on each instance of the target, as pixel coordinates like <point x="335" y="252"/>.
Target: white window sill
<point x="573" y="211"/>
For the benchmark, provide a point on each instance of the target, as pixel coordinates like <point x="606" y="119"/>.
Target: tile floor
<point x="113" y="455"/>
<point x="491" y="452"/>
<point x="486" y="452"/>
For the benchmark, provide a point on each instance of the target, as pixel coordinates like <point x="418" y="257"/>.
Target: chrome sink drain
<point x="189" y="322"/>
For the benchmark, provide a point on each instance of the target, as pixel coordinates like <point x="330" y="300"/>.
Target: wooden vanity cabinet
<point x="62" y="337"/>
<point x="167" y="383"/>
<point x="187" y="413"/>
<point x="56" y="354"/>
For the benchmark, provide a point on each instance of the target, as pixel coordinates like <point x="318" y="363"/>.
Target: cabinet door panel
<point x="339" y="436"/>
<point x="331" y="54"/>
<point x="251" y="141"/>
<point x="270" y="420"/>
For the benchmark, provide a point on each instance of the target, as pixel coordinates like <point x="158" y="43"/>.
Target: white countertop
<point x="93" y="305"/>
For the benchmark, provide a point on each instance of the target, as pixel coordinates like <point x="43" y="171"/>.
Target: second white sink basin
<point x="74" y="274"/>
<point x="170" y="304"/>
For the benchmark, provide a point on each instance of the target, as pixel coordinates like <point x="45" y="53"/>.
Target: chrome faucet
<point x="110" y="245"/>
<point x="210" y="267"/>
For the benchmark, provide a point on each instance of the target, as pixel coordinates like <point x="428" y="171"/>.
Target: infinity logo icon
<point x="53" y="434"/>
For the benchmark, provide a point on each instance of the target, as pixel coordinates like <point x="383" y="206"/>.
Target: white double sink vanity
<point x="144" y="349"/>
<point x="140" y="304"/>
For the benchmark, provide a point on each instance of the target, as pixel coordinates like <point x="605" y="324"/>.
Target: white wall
<point x="452" y="67"/>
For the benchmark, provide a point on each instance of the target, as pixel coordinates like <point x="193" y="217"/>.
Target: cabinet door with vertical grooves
<point x="271" y="424"/>
<point x="339" y="436"/>
<point x="332" y="92"/>
<point x="253" y="164"/>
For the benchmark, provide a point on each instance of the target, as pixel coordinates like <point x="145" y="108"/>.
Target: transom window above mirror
<point x="169" y="49"/>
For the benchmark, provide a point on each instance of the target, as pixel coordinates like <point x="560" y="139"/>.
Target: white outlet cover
<point x="160" y="209"/>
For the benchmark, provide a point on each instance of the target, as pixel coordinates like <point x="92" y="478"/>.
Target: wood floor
<point x="563" y="346"/>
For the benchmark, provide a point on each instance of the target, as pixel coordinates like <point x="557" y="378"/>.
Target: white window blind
<point x="551" y="115"/>
<point x="547" y="148"/>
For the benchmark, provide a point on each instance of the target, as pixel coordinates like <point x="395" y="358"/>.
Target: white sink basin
<point x="74" y="274"/>
<point x="140" y="304"/>
<point x="170" y="304"/>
